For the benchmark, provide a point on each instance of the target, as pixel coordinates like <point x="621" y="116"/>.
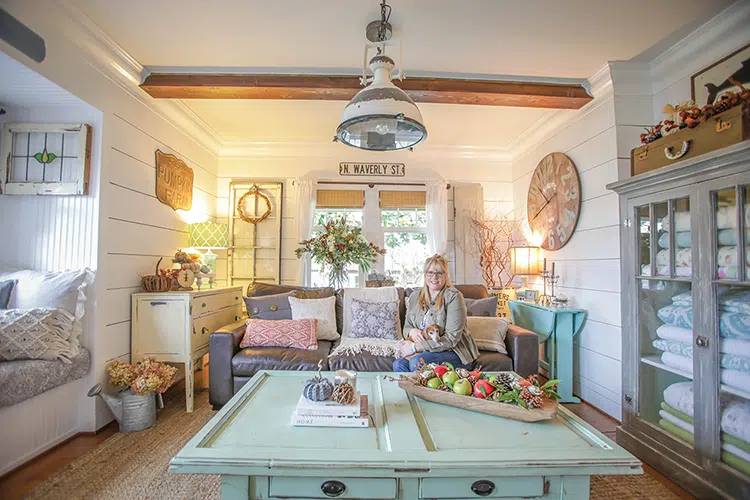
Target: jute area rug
<point x="134" y="465"/>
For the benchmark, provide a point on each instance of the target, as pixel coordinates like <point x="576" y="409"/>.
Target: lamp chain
<point x="385" y="15"/>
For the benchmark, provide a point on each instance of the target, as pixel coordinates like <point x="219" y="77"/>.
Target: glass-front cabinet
<point x="685" y="259"/>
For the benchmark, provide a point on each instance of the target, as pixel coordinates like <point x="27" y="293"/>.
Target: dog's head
<point x="432" y="331"/>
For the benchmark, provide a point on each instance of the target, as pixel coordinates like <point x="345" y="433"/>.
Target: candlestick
<point x="545" y="264"/>
<point x="553" y="269"/>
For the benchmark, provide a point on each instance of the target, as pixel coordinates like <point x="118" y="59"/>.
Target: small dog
<point x="432" y="332"/>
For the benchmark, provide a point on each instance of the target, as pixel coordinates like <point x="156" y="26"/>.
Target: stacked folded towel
<point x="677" y="418"/>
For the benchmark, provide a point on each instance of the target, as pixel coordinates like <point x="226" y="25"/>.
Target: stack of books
<point x="331" y="414"/>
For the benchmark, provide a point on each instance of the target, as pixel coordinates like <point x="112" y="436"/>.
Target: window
<point x="321" y="216"/>
<point x="405" y="235"/>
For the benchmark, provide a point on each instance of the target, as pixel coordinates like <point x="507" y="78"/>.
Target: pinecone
<point x="495" y="396"/>
<point x="531" y="400"/>
<point x="344" y="394"/>
<point x="420" y="381"/>
<point x="462" y="372"/>
<point x="472" y="379"/>
<point x="504" y="382"/>
<point x="445" y="388"/>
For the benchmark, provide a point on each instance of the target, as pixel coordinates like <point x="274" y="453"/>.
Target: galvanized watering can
<point x="133" y="412"/>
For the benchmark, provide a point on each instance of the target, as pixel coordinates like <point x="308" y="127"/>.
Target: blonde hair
<point x="440" y="262"/>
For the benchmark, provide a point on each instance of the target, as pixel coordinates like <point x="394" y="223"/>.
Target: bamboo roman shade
<point x="339" y="198"/>
<point x="402" y="199"/>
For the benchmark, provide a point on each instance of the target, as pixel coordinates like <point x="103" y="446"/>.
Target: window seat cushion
<point x="24" y="379"/>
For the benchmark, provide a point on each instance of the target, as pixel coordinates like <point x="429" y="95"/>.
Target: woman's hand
<point x="415" y="335"/>
<point x="407" y="348"/>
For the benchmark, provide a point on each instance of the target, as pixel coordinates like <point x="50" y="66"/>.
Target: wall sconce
<point x="524" y="261"/>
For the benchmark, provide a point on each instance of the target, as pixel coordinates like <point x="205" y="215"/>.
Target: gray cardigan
<point x="451" y="318"/>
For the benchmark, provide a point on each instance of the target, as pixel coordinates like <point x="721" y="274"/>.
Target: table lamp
<point x="524" y="261"/>
<point x="208" y="235"/>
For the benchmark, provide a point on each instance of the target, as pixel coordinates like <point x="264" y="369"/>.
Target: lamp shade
<point x="525" y="260"/>
<point x="209" y="235"/>
<point x="381" y="117"/>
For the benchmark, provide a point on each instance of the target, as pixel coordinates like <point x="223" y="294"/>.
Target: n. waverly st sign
<point x="372" y="169"/>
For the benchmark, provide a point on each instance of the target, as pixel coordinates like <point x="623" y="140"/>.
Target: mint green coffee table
<point x="413" y="449"/>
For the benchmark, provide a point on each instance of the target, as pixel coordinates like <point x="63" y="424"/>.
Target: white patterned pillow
<point x="324" y="310"/>
<point x="378" y="320"/>
<point x="41" y="333"/>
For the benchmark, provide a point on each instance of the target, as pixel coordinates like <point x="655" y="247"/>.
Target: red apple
<point x="441" y="370"/>
<point x="482" y="389"/>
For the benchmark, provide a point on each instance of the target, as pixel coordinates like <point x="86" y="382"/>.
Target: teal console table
<point x="556" y="327"/>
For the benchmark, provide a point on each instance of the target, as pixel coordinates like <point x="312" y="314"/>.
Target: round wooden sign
<point x="554" y="200"/>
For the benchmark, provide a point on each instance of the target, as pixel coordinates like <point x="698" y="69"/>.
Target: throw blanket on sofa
<point x="375" y="346"/>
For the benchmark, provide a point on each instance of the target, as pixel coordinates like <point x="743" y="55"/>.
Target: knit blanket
<point x="374" y="346"/>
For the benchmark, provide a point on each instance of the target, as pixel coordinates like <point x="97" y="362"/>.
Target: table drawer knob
<point x="483" y="487"/>
<point x="333" y="488"/>
<point x="204" y="330"/>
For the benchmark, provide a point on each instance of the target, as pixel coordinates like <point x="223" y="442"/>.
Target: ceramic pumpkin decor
<point x="554" y="200"/>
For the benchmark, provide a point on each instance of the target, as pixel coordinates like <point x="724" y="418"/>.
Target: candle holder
<point x="544" y="299"/>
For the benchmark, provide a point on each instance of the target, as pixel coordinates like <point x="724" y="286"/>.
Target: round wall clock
<point x="554" y="200"/>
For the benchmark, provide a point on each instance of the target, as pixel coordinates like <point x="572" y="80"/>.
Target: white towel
<point x="733" y="378"/>
<point x="688" y="427"/>
<point x="683" y="272"/>
<point x="726" y="218"/>
<point x="735" y="411"/>
<point x="738" y="347"/>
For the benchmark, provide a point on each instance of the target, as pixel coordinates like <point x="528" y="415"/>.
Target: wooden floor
<point x="23" y="480"/>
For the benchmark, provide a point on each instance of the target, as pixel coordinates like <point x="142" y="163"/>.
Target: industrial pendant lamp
<point x="381" y="117"/>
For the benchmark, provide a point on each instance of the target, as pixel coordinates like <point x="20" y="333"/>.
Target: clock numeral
<point x="571" y="194"/>
<point x="567" y="175"/>
<point x="551" y="239"/>
<point x="561" y="233"/>
<point x="570" y="216"/>
<point x="532" y="208"/>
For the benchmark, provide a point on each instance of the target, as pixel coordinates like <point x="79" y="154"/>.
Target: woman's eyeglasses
<point x="433" y="274"/>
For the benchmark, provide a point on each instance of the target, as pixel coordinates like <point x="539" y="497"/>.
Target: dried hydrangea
<point x="148" y="375"/>
<point x="121" y="374"/>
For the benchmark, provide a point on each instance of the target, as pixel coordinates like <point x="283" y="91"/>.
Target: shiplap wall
<point x="589" y="265"/>
<point x="140" y="229"/>
<point x="495" y="179"/>
<point x="52" y="233"/>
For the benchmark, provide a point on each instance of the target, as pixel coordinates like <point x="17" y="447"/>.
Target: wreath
<point x="254" y="191"/>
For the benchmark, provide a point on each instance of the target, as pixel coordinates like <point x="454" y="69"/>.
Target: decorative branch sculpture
<point x="493" y="237"/>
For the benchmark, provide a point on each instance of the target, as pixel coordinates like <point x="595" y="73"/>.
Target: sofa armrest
<point x="523" y="348"/>
<point x="223" y="345"/>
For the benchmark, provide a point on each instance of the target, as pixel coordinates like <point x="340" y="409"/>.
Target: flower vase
<point x="337" y="276"/>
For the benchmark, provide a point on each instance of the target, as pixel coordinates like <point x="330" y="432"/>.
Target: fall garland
<point x="254" y="191"/>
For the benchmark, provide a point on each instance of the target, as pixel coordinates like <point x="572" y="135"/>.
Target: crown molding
<point x="314" y="149"/>
<point x="106" y="55"/>
<point x="721" y="35"/>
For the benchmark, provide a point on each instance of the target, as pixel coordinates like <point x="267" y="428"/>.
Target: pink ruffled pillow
<point x="295" y="333"/>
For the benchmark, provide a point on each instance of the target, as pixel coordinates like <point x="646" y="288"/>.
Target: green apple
<point x="492" y="379"/>
<point x="433" y="383"/>
<point x="449" y="378"/>
<point x="462" y="387"/>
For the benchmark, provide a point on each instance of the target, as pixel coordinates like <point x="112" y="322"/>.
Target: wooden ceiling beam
<point x="343" y="88"/>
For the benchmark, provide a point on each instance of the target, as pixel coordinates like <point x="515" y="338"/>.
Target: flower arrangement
<point x="339" y="246"/>
<point x="146" y="376"/>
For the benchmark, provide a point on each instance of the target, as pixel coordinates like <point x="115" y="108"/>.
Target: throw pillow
<point x="294" y="333"/>
<point x="481" y="307"/>
<point x="269" y="306"/>
<point x="41" y="333"/>
<point x="302" y="292"/>
<point x="374" y="320"/>
<point x="6" y="287"/>
<point x="324" y="310"/>
<point x="488" y="333"/>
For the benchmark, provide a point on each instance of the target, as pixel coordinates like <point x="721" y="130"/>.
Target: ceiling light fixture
<point x="381" y="117"/>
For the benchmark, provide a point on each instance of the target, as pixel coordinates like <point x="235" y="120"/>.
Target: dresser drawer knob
<point x="236" y="298"/>
<point x="204" y="330"/>
<point x="333" y="488"/>
<point x="483" y="487"/>
<point x="203" y="305"/>
<point x="158" y="303"/>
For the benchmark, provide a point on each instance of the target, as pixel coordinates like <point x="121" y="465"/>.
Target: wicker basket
<point x="154" y="283"/>
<point x="379" y="283"/>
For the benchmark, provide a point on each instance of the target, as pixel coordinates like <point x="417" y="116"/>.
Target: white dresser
<point x="176" y="326"/>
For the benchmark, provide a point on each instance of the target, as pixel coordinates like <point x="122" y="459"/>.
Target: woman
<point x="440" y="304"/>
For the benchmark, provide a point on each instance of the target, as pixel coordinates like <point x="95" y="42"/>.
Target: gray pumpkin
<point x="317" y="388"/>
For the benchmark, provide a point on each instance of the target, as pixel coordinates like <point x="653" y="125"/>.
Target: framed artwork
<point x="45" y="159"/>
<point x="710" y="83"/>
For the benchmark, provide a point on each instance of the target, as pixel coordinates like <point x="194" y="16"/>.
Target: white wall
<point x="52" y="233"/>
<point x="589" y="265"/>
<point x="134" y="228"/>
<point x="494" y="177"/>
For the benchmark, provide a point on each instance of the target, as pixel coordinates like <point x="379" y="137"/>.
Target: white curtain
<point x="437" y="218"/>
<point x="305" y="208"/>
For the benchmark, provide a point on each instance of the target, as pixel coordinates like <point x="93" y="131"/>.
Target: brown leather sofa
<point x="231" y="367"/>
